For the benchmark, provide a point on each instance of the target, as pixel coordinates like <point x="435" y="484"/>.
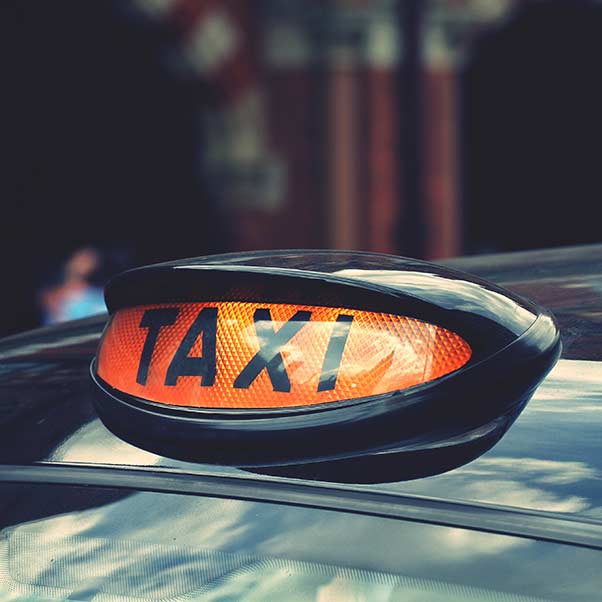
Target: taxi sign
<point x="265" y="355"/>
<point x="317" y="358"/>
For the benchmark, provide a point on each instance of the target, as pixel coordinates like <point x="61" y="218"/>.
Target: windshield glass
<point x="87" y="544"/>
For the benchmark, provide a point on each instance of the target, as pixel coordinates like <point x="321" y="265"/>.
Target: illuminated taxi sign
<point x="330" y="365"/>
<point x="266" y="355"/>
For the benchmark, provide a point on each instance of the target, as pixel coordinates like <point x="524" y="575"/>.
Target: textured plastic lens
<point x="262" y="355"/>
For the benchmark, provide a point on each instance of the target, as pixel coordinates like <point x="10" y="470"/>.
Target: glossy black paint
<point x="414" y="432"/>
<point x="43" y="381"/>
<point x="567" y="281"/>
<point x="549" y="460"/>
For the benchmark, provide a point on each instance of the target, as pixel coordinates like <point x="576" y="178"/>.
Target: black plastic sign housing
<point x="413" y="432"/>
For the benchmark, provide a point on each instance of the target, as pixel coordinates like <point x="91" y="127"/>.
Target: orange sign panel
<point x="265" y="355"/>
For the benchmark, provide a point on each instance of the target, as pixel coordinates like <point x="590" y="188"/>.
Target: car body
<point x="86" y="516"/>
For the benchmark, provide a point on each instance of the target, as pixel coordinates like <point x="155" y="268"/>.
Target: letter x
<point x="269" y="357"/>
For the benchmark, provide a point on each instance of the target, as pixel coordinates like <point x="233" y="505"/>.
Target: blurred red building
<point x="305" y="142"/>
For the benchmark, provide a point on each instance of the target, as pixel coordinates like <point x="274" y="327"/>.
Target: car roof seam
<point x="530" y="524"/>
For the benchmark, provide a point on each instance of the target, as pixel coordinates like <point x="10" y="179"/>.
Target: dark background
<point x="148" y="130"/>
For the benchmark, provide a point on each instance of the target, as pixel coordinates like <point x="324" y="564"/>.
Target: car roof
<point x="549" y="463"/>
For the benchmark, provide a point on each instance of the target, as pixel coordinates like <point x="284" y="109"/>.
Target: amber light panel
<point x="321" y="355"/>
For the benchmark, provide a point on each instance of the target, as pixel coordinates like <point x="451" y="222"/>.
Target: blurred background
<point x="136" y="131"/>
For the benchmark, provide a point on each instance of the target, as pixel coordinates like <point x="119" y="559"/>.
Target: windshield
<point x="67" y="543"/>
